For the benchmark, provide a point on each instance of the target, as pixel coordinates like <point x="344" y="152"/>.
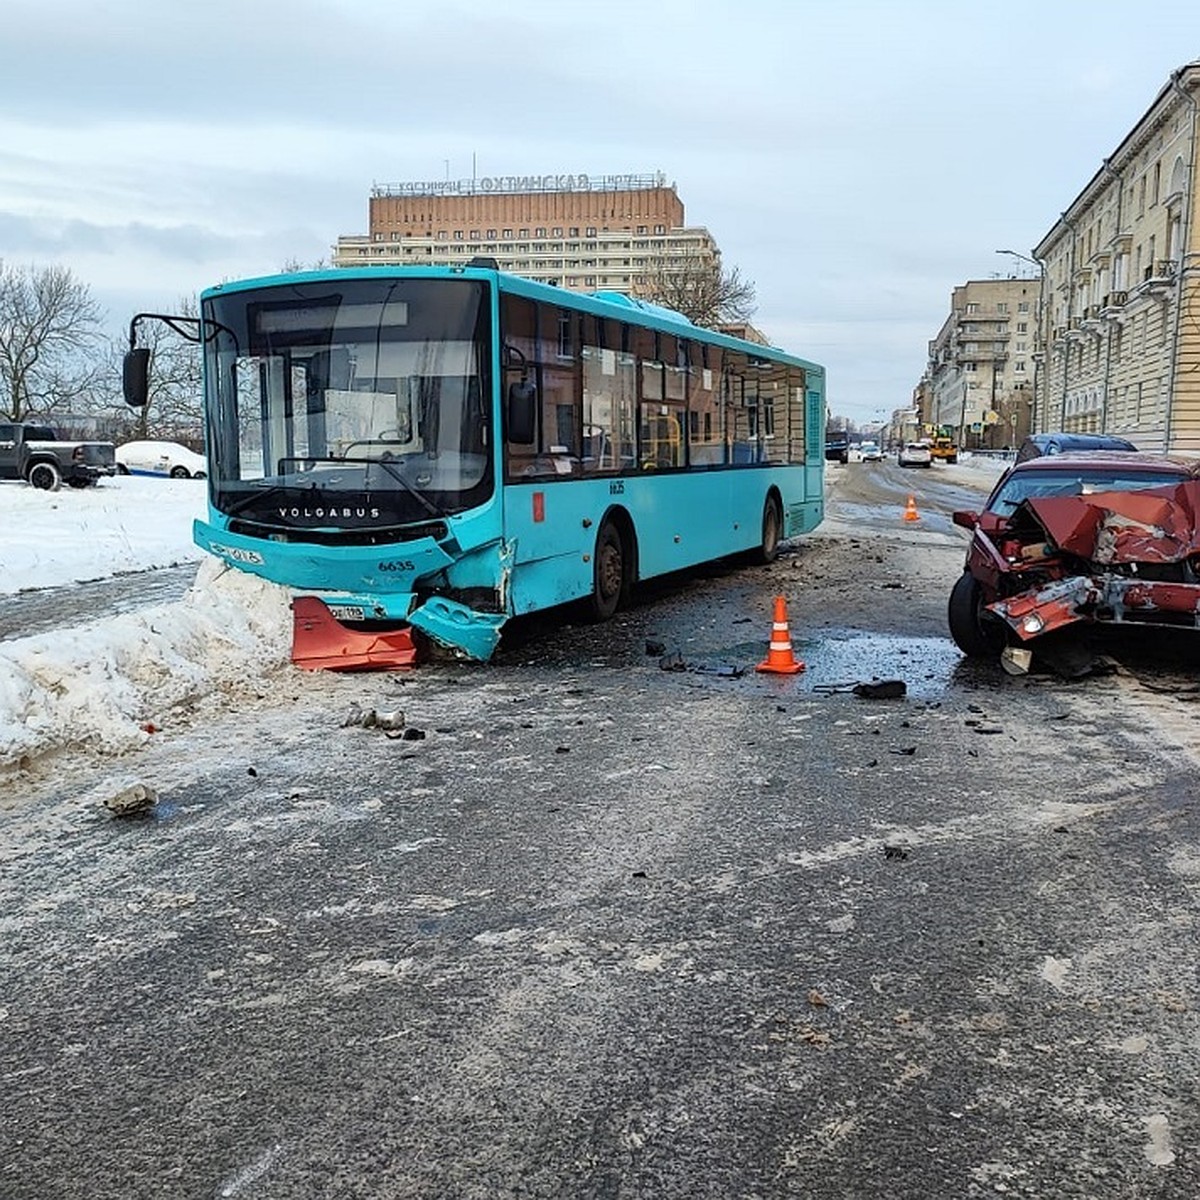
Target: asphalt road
<point x="610" y="930"/>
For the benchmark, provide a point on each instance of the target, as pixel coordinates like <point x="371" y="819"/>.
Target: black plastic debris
<point x="655" y="648"/>
<point x="892" y="850"/>
<point x="881" y="689"/>
<point x="906" y="750"/>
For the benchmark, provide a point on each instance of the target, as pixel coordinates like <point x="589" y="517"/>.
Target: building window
<point x="1002" y="307"/>
<point x="1022" y="327"/>
<point x="508" y="233"/>
<point x="379" y="237"/>
<point x="573" y="231"/>
<point x="969" y="366"/>
<point x="1019" y="367"/>
<point x="557" y="231"/>
<point x="540" y="232"/>
<point x="458" y="235"/>
<point x="474" y="235"/>
<point x="972" y="308"/>
<point x="641" y="229"/>
<point x="591" y="231"/>
<point x="1023" y="306"/>
<point x="491" y="235"/>
<point x="441" y="235"/>
<point x="660" y="229"/>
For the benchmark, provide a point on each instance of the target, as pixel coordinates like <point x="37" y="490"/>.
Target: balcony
<point x="1114" y="300"/>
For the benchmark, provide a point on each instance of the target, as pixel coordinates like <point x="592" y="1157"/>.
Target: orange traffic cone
<point x="910" y="510"/>
<point x="780" y="660"/>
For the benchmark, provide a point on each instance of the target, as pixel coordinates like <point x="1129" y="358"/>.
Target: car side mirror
<point x="965" y="518"/>
<point x="522" y="411"/>
<point x="135" y="377"/>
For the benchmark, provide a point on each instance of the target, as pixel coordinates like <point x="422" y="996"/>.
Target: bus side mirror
<point x="135" y="377"/>
<point x="522" y="412"/>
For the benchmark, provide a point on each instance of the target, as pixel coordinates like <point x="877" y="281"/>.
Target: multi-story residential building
<point x="980" y="378"/>
<point x="585" y="233"/>
<point x="1120" y="336"/>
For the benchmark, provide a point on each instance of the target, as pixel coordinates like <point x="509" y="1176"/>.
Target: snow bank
<point x="127" y="523"/>
<point x="95" y="685"/>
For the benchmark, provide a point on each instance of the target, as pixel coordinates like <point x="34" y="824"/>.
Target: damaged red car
<point x="1103" y="537"/>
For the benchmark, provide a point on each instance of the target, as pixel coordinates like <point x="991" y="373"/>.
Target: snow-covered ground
<point x="106" y="683"/>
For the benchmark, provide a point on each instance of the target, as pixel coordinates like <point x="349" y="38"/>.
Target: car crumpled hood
<point x="1157" y="525"/>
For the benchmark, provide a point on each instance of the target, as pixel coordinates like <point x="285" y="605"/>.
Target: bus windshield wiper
<point x="395" y="472"/>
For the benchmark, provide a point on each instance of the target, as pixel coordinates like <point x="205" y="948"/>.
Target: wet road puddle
<point x="839" y="658"/>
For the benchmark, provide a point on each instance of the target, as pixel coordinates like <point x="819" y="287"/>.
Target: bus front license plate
<point x="347" y="612"/>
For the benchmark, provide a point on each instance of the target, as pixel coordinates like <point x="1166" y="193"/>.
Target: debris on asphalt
<point x="895" y="850"/>
<point x="655" y="648"/>
<point x="1016" y="660"/>
<point x="908" y="750"/>
<point x="133" y="800"/>
<point x="672" y="662"/>
<point x="881" y="689"/>
<point x="371" y="718"/>
<point x="816" y="999"/>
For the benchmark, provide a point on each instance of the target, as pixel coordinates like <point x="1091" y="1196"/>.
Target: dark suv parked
<point x="1039" y="444"/>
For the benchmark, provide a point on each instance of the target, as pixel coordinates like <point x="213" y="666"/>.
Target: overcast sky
<point x="855" y="159"/>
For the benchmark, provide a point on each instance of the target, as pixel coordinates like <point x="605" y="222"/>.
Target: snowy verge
<point x="96" y="685"/>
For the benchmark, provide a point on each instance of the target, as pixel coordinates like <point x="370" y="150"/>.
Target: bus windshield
<point x="335" y="405"/>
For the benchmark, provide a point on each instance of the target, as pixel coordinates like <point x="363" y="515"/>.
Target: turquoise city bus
<point x="446" y="447"/>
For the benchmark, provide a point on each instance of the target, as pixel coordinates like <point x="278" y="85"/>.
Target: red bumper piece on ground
<point x="322" y="643"/>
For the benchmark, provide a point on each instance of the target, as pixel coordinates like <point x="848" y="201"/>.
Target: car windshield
<point x="1028" y="485"/>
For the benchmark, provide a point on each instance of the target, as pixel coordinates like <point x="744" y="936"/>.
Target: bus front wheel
<point x="609" y="573"/>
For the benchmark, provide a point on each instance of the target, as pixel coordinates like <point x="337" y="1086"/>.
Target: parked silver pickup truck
<point x="36" y="454"/>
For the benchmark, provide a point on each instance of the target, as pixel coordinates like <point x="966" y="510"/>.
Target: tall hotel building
<point x="581" y="232"/>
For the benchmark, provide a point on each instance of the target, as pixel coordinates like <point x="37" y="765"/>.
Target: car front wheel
<point x="976" y="632"/>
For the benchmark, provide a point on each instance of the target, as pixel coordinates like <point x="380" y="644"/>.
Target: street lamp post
<point x="1041" y="308"/>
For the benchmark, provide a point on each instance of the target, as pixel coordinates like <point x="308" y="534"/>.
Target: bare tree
<point x="293" y="266"/>
<point x="49" y="335"/>
<point x="699" y="287"/>
<point x="174" y="405"/>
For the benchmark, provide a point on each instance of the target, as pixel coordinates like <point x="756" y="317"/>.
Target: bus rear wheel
<point x="609" y="573"/>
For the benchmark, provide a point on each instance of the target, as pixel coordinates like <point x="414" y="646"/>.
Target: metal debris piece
<point x="895" y="850"/>
<point x="673" y="662"/>
<point x="130" y="801"/>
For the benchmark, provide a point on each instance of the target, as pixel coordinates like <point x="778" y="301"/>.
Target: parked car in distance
<point x="1075" y="537"/>
<point x="1038" y="445"/>
<point x="914" y="454"/>
<point x="161" y="458"/>
<point x="870" y="452"/>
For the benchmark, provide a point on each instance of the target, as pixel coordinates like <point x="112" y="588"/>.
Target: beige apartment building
<point x="979" y="381"/>
<point x="581" y="232"/>
<point x="1119" y="327"/>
